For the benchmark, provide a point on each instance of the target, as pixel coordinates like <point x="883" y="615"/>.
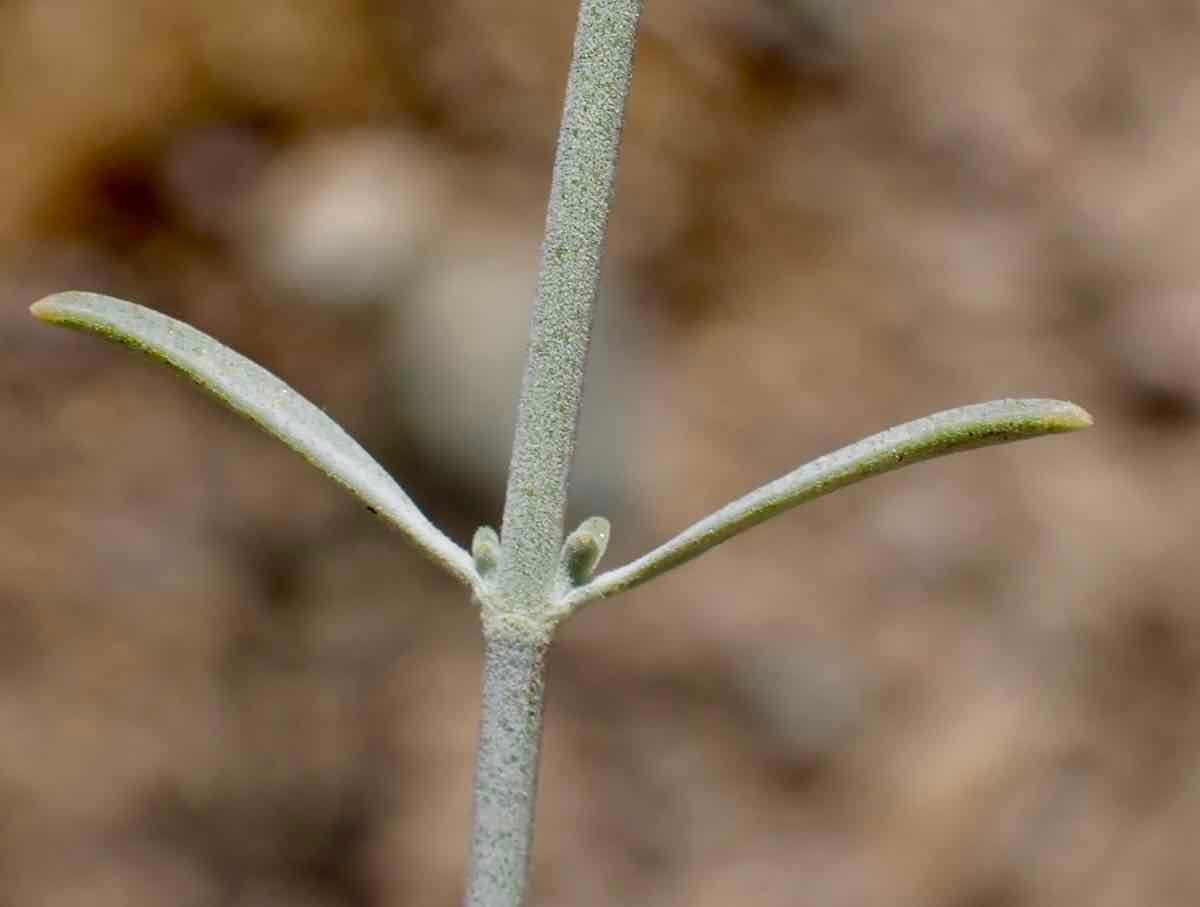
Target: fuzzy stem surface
<point x="506" y="781"/>
<point x="568" y="279"/>
<point x="516" y="609"/>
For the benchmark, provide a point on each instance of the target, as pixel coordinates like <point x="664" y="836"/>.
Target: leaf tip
<point x="44" y="309"/>
<point x="1064" y="416"/>
<point x="57" y="308"/>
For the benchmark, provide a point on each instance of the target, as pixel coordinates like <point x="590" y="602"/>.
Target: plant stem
<point x="505" y="787"/>
<point x="517" y="610"/>
<point x="576" y="223"/>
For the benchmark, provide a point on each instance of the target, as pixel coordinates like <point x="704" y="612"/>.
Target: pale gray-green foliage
<point x="250" y="390"/>
<point x="527" y="579"/>
<point x="980" y="425"/>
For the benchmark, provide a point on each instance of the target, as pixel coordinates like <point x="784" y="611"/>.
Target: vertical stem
<point x="510" y="741"/>
<point x="516" y="611"/>
<point x="576" y="223"/>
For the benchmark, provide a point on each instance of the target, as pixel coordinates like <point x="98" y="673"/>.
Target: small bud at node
<point x="485" y="548"/>
<point x="583" y="549"/>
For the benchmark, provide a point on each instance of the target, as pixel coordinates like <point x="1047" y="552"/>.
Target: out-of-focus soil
<point x="971" y="684"/>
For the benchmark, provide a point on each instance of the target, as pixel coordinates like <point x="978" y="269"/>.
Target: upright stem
<point x="509" y="744"/>
<point x="576" y="223"/>
<point x="518" y="608"/>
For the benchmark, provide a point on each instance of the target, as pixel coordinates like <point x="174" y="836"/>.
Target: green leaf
<point x="964" y="428"/>
<point x="252" y="391"/>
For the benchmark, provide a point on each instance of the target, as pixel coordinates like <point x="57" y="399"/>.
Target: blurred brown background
<point x="971" y="684"/>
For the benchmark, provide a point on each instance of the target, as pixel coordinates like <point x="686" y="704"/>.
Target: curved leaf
<point x="252" y="391"/>
<point x="979" y="425"/>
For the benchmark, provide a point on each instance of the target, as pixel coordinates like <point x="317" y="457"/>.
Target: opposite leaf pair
<point x="254" y="392"/>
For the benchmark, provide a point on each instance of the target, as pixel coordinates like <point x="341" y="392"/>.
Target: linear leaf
<point x="252" y="391"/>
<point x="964" y="428"/>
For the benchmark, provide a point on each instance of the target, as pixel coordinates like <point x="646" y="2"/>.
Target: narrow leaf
<point x="252" y="391"/>
<point x="979" y="425"/>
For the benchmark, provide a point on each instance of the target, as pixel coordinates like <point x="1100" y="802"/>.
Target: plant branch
<point x="979" y="425"/>
<point x="510" y="741"/>
<point x="576" y="224"/>
<point x="251" y="391"/>
<point x="515" y="605"/>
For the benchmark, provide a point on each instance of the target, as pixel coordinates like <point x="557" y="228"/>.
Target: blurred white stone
<point x="344" y="219"/>
<point x="460" y="339"/>
<point x="452" y="253"/>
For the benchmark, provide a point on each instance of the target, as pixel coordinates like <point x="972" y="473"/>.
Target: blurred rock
<point x="1157" y="348"/>
<point x="804" y="700"/>
<point x="460" y="336"/>
<point x="346" y="219"/>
